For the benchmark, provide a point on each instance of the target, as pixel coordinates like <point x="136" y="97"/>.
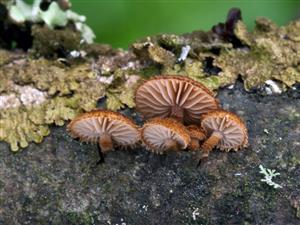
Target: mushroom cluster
<point x="184" y="114"/>
<point x="180" y="114"/>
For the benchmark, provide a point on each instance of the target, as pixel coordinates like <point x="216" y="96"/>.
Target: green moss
<point x="54" y="43"/>
<point x="5" y="56"/>
<point x="79" y="218"/>
<point x="242" y="33"/>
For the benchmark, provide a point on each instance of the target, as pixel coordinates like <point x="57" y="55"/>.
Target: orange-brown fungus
<point x="225" y="130"/>
<point x="161" y="135"/>
<point x="197" y="135"/>
<point x="106" y="128"/>
<point x="178" y="97"/>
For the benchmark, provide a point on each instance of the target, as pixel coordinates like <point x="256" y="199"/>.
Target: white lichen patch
<point x="195" y="214"/>
<point x="9" y="101"/>
<point x="131" y="80"/>
<point x="184" y="53"/>
<point x="272" y="87"/>
<point x="105" y="79"/>
<point x="31" y="96"/>
<point x="75" y="54"/>
<point x="24" y="95"/>
<point x="269" y="174"/>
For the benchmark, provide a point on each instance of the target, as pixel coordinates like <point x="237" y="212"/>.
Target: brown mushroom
<point x="107" y="128"/>
<point x="225" y="130"/>
<point x="164" y="134"/>
<point x="178" y="97"/>
<point x="197" y="135"/>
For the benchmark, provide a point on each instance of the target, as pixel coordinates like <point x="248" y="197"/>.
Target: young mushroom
<point x="225" y="130"/>
<point x="177" y="97"/>
<point x="197" y="135"/>
<point x="107" y="128"/>
<point x="164" y="134"/>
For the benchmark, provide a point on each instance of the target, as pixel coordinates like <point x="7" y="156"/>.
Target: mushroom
<point x="197" y="135"/>
<point x="106" y="128"/>
<point x="225" y="130"/>
<point x="178" y="97"/>
<point x="164" y="134"/>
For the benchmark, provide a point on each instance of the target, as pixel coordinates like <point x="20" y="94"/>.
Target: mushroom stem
<point x="105" y="142"/>
<point x="101" y="156"/>
<point x="210" y="143"/>
<point x="177" y="113"/>
<point x="194" y="144"/>
<point x="171" y="145"/>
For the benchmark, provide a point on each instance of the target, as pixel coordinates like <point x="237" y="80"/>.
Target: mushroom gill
<point x="161" y="135"/>
<point x="197" y="135"/>
<point x="107" y="128"/>
<point x="225" y="130"/>
<point x="178" y="97"/>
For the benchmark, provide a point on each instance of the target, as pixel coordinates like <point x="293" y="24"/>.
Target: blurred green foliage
<point x="120" y="22"/>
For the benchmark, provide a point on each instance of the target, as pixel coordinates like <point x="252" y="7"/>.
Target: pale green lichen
<point x="268" y="176"/>
<point x="272" y="55"/>
<point x="121" y="92"/>
<point x="269" y="53"/>
<point x="54" y="16"/>
<point x="69" y="92"/>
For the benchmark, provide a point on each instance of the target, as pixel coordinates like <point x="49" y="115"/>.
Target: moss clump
<point x="272" y="55"/>
<point x="79" y="218"/>
<point x="267" y="53"/>
<point x="54" y="43"/>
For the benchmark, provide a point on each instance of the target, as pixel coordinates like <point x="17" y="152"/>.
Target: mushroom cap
<point x="91" y="125"/>
<point x="156" y="131"/>
<point x="196" y="132"/>
<point x="157" y="96"/>
<point x="229" y="125"/>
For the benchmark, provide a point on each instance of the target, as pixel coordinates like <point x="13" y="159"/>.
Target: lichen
<point x="54" y="16"/>
<point x="67" y="85"/>
<point x="63" y="92"/>
<point x="121" y="92"/>
<point x="268" y="53"/>
<point x="272" y="55"/>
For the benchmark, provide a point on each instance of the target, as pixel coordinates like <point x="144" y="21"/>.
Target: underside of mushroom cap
<point x="174" y="96"/>
<point x="157" y="131"/>
<point x="229" y="126"/>
<point x="91" y="125"/>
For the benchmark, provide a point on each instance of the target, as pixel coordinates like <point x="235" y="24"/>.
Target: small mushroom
<point x="164" y="134"/>
<point x="178" y="97"/>
<point x="225" y="130"/>
<point x="197" y="135"/>
<point x="107" y="128"/>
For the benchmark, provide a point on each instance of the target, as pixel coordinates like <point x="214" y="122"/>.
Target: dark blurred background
<point x="120" y="22"/>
